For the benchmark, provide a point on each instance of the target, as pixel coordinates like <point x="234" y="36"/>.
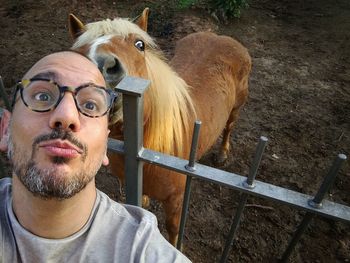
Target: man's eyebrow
<point x="46" y="75"/>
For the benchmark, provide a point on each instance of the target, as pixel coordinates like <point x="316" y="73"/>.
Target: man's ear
<point x="105" y="160"/>
<point x="4" y="125"/>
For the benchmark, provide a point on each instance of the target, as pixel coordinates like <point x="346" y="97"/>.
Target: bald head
<point x="66" y="66"/>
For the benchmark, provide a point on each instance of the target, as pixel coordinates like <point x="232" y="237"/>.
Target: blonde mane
<point x="171" y="107"/>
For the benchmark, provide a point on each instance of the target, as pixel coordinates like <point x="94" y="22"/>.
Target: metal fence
<point x="135" y="155"/>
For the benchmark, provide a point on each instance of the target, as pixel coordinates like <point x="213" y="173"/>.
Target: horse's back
<point x="217" y="69"/>
<point x="201" y="52"/>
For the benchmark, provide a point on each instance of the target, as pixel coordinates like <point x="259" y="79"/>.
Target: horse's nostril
<point x="111" y="69"/>
<point x="114" y="69"/>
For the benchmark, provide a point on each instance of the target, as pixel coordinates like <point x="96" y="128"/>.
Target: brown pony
<point x="207" y="79"/>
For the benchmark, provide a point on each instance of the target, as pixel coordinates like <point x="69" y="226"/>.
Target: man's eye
<point x="42" y="96"/>
<point x="89" y="105"/>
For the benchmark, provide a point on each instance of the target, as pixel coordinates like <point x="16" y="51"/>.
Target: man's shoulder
<point x="5" y="189"/>
<point x="135" y="230"/>
<point x="5" y="184"/>
<point x="132" y="214"/>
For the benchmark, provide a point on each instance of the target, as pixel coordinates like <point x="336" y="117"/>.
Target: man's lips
<point x="61" y="149"/>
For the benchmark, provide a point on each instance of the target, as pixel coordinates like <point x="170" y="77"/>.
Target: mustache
<point x="63" y="135"/>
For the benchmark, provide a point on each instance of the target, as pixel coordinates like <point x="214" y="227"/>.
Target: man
<point x="51" y="210"/>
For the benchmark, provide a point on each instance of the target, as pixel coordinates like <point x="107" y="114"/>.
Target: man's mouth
<point x="59" y="148"/>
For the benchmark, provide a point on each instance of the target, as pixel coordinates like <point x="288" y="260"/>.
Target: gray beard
<point x="49" y="183"/>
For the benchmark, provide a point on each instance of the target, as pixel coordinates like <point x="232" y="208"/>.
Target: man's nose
<point x="66" y="115"/>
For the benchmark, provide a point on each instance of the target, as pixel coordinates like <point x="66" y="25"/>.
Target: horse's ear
<point x="76" y="27"/>
<point x="143" y="19"/>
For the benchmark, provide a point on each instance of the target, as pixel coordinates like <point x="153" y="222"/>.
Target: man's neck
<point x="52" y="218"/>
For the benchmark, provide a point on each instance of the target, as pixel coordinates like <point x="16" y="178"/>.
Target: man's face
<point x="56" y="154"/>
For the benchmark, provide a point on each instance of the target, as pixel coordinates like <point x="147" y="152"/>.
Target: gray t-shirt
<point x="113" y="233"/>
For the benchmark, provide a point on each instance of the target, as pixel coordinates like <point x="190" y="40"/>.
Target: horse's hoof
<point x="173" y="241"/>
<point x="221" y="158"/>
<point x="146" y="203"/>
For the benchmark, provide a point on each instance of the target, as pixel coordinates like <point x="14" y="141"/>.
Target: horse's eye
<point x="140" y="45"/>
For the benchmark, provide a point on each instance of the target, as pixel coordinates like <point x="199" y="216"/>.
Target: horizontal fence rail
<point x="237" y="182"/>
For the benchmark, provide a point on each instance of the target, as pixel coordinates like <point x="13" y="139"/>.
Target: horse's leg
<point x="230" y="124"/>
<point x="225" y="144"/>
<point x="172" y="207"/>
<point x="117" y="169"/>
<point x="116" y="163"/>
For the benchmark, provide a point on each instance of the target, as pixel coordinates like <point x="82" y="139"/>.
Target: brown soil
<point x="299" y="99"/>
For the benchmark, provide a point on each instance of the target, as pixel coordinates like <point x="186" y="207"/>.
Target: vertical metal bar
<point x="297" y="235"/>
<point x="234" y="228"/>
<point x="329" y="179"/>
<point x="185" y="206"/>
<point x="133" y="89"/>
<point x="315" y="203"/>
<point x="244" y="197"/>
<point x="191" y="167"/>
<point x="4" y="95"/>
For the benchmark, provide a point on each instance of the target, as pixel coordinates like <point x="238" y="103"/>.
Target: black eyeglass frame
<point x="62" y="89"/>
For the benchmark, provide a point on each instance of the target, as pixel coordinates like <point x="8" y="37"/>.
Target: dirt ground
<point x="299" y="98"/>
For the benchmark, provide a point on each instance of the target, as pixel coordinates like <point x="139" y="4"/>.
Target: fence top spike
<point x="342" y="156"/>
<point x="263" y="138"/>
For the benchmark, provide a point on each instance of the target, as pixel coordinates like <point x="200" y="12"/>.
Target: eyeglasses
<point x="42" y="95"/>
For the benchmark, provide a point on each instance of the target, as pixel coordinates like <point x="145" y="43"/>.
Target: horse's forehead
<point x="117" y="27"/>
<point x="97" y="42"/>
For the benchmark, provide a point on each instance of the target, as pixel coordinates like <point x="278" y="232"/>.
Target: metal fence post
<point x="4" y="95"/>
<point x="133" y="89"/>
<point x="5" y="98"/>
